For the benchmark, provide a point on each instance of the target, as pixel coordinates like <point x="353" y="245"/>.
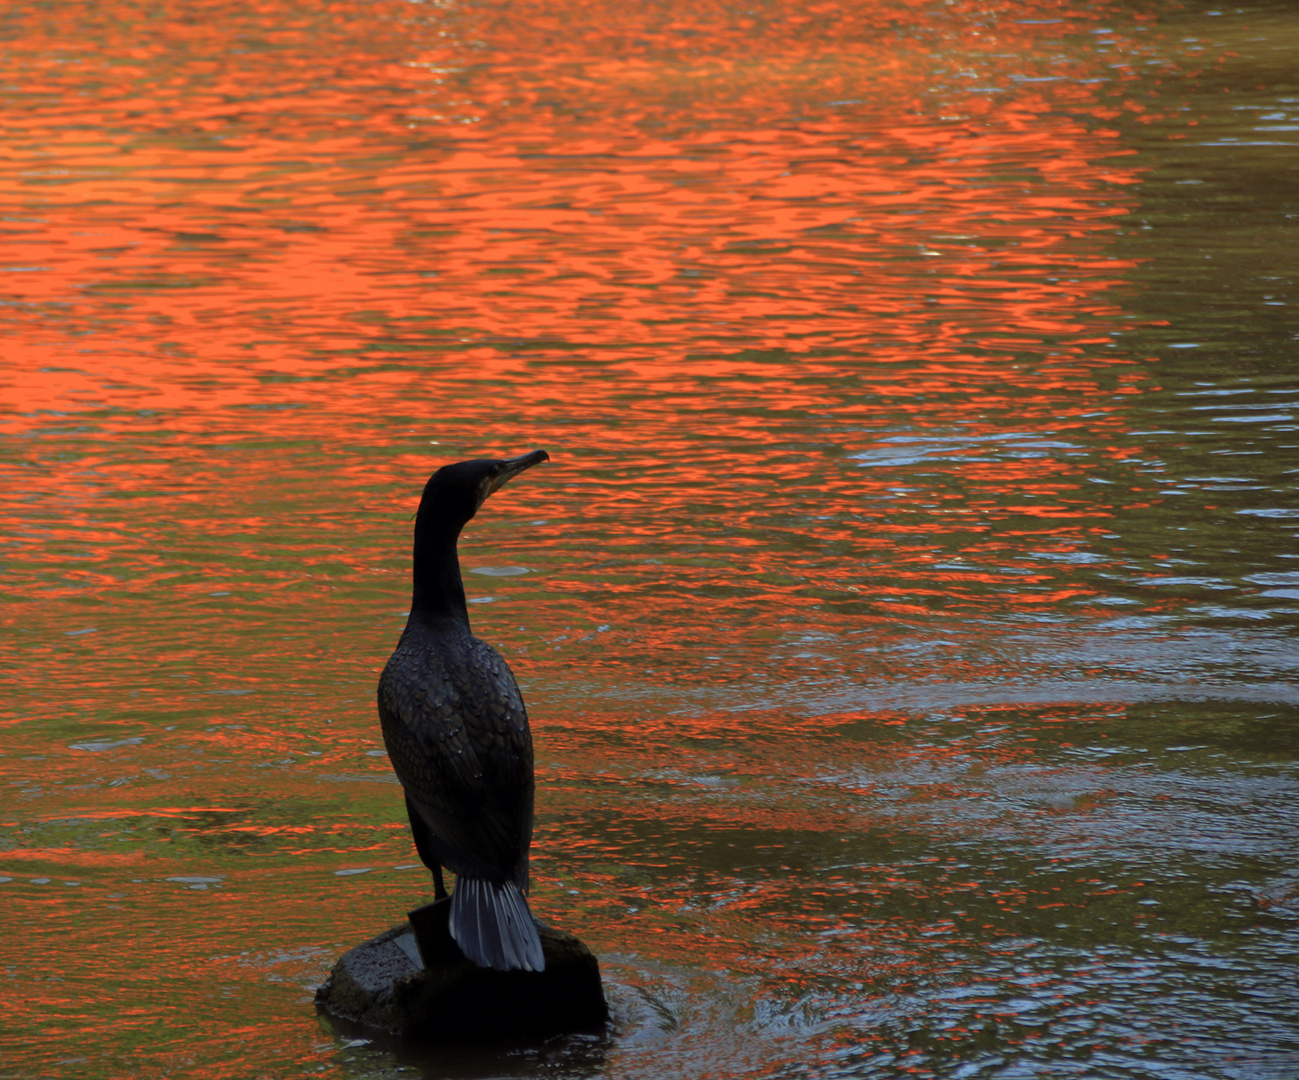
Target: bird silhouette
<point x="457" y="732"/>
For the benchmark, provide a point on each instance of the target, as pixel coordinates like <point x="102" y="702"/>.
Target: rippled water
<point x="907" y="613"/>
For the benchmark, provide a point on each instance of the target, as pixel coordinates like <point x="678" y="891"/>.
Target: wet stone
<point x="412" y="981"/>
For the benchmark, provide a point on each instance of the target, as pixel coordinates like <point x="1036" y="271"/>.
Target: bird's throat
<point x="439" y="593"/>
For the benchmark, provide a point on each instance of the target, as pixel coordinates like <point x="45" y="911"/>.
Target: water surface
<point x="906" y="615"/>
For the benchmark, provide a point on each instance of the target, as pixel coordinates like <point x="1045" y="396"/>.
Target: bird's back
<point x="457" y="732"/>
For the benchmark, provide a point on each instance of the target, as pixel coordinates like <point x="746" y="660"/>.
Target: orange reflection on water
<point x="642" y="253"/>
<point x="815" y="309"/>
<point x="238" y="221"/>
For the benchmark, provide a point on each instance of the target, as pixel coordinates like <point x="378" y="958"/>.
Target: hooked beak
<point x="511" y="467"/>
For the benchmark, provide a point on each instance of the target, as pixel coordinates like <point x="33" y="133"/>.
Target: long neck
<point x="439" y="594"/>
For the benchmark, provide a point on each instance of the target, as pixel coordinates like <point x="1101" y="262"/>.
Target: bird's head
<point x="454" y="493"/>
<point x="452" y="496"/>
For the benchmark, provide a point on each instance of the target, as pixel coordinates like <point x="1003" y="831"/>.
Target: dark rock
<point x="412" y="981"/>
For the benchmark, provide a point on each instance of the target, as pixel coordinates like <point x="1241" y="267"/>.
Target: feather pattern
<point x="457" y="732"/>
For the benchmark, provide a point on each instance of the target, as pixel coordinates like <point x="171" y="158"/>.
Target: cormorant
<point x="457" y="733"/>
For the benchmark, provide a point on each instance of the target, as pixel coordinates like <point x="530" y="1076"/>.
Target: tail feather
<point x="493" y="926"/>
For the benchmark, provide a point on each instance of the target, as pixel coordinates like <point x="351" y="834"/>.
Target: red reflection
<point x="233" y="220"/>
<point x="688" y="244"/>
<point x="815" y="306"/>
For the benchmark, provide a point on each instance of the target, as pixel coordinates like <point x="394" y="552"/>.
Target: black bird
<point x="457" y="733"/>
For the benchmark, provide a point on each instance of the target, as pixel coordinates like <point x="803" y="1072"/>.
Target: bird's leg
<point x="439" y="890"/>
